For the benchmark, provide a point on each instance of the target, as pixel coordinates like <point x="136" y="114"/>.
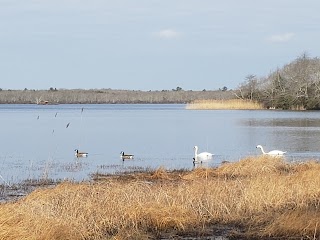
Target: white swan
<point x="271" y="153"/>
<point x="204" y="156"/>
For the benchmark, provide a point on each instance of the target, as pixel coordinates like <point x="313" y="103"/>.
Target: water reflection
<point x="299" y="135"/>
<point x="282" y="122"/>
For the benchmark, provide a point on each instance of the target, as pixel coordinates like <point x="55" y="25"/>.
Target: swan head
<point x="259" y="146"/>
<point x="195" y="147"/>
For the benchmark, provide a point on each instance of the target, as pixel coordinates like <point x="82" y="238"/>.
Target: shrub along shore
<point x="257" y="197"/>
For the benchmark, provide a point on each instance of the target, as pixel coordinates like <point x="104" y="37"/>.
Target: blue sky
<point x="151" y="44"/>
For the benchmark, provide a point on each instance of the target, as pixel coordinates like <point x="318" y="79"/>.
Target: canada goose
<point x="204" y="156"/>
<point x="125" y="156"/>
<point x="80" y="154"/>
<point x="271" y="153"/>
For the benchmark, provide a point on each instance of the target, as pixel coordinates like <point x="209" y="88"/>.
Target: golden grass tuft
<point x="231" y="104"/>
<point x="253" y="167"/>
<point x="160" y="173"/>
<point x="266" y="197"/>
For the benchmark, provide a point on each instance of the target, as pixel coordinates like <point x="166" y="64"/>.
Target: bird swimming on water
<point x="273" y="153"/>
<point x="126" y="156"/>
<point x="200" y="157"/>
<point x="80" y="154"/>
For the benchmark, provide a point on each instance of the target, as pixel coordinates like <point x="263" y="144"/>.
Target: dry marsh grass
<point x="233" y="104"/>
<point x="263" y="197"/>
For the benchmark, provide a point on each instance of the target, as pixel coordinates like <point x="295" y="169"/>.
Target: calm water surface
<point x="36" y="142"/>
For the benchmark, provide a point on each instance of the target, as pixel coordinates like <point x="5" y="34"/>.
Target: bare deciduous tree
<point x="295" y="86"/>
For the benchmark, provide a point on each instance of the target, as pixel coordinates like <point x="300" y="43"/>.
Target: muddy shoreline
<point x="14" y="192"/>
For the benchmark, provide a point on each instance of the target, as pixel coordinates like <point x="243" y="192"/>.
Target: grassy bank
<point x="262" y="197"/>
<point x="224" y="104"/>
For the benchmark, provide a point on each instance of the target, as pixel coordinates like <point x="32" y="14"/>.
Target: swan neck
<point x="195" y="151"/>
<point x="262" y="150"/>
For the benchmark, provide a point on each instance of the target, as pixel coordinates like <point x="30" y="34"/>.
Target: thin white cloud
<point x="167" y="34"/>
<point x="280" y="38"/>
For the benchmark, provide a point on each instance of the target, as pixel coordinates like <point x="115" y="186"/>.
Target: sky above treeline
<point x="151" y="44"/>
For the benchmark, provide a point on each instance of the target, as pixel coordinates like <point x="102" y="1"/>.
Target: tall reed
<point x="233" y="104"/>
<point x="265" y="197"/>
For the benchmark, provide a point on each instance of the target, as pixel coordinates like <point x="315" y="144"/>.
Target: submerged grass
<point x="263" y="197"/>
<point x="233" y="104"/>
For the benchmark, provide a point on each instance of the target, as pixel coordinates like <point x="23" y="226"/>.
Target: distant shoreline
<point x="109" y="96"/>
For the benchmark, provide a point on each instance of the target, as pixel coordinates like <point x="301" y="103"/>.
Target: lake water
<point x="36" y="142"/>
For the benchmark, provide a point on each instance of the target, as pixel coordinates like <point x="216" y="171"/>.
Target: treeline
<point x="107" y="96"/>
<point x="296" y="86"/>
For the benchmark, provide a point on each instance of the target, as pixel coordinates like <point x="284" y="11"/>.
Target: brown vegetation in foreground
<point x="263" y="197"/>
<point x="234" y="104"/>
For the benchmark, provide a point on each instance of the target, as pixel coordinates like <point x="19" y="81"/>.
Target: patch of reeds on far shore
<point x="259" y="196"/>
<point x="232" y="104"/>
